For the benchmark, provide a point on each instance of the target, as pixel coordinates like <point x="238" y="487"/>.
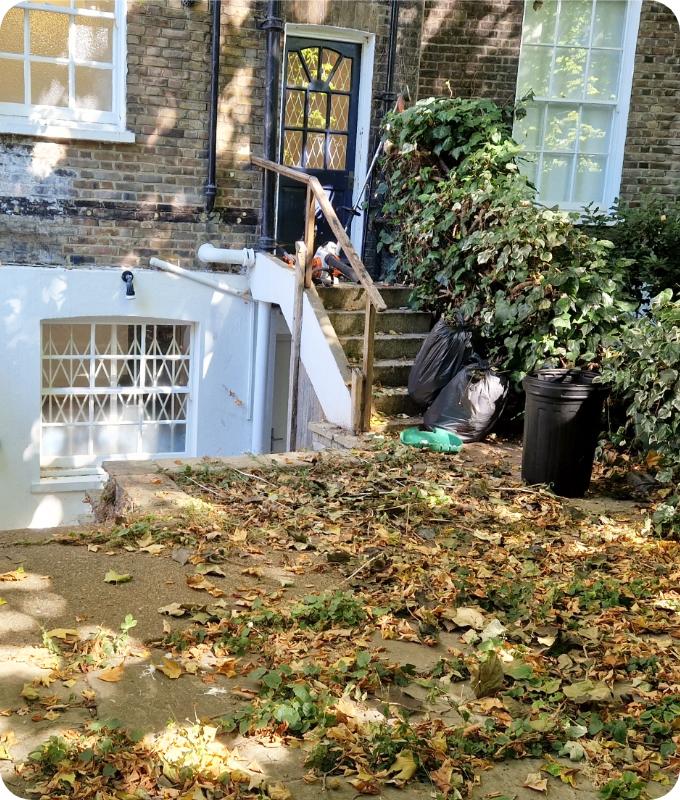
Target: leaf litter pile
<point x="547" y="632"/>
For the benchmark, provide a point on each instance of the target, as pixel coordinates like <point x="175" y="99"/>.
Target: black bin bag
<point x="470" y="403"/>
<point x="442" y="354"/>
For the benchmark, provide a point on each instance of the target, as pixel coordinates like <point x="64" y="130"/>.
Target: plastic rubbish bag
<point x="441" y="356"/>
<point x="470" y="403"/>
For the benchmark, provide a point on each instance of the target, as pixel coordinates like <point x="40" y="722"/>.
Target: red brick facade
<point x="83" y="203"/>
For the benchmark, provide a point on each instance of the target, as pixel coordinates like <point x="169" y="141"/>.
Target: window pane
<point x="328" y="61"/>
<point x="292" y="148"/>
<point x="534" y="71"/>
<point x="296" y="74"/>
<point x="314" y="150"/>
<point x="589" y="183"/>
<point x="342" y="78"/>
<point x="569" y="75"/>
<point x="12" y="83"/>
<point x="560" y="128"/>
<point x="49" y="84"/>
<point x="311" y="58"/>
<point x="12" y="32"/>
<point x="94" y="88"/>
<point x="316" y="117"/>
<point x="527" y="131"/>
<point x="49" y="33"/>
<point x="97" y="5"/>
<point x="295" y="109"/>
<point x="337" y="151"/>
<point x="610" y="17"/>
<point x="92" y="39"/>
<point x="604" y="75"/>
<point x="595" y="127"/>
<point x="574" y="24"/>
<point x="339" y="112"/>
<point x="555" y="179"/>
<point x="528" y="166"/>
<point x="539" y="23"/>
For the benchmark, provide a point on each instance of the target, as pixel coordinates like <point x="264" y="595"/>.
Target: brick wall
<point x="79" y="202"/>
<point x="470" y="48"/>
<point x="652" y="152"/>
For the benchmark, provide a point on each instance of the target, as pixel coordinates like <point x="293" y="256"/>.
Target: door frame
<point x="367" y="42"/>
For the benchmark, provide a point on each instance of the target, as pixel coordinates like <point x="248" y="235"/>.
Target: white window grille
<point x="577" y="57"/>
<point x="63" y="65"/>
<point x="114" y="390"/>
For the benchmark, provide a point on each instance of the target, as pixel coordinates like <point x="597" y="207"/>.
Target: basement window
<point x="577" y="57"/>
<point x="63" y="64"/>
<point x="114" y="390"/>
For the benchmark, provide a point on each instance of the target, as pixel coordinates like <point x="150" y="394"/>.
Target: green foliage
<point x="627" y="787"/>
<point x="648" y="233"/>
<point x="463" y="227"/>
<point x="326" y="610"/>
<point x="643" y="367"/>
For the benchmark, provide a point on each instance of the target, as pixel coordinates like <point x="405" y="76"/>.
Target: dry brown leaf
<point x="112" y="675"/>
<point x="170" y="669"/>
<point x="534" y="781"/>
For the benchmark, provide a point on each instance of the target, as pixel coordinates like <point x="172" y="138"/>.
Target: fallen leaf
<point x="15" y="575"/>
<point x="488" y="677"/>
<point x="112" y="675"/>
<point x="30" y="692"/>
<point x="173" y="610"/>
<point x="3" y="602"/>
<point x="181" y="555"/>
<point x="114" y="577"/>
<point x="467" y="618"/>
<point x="170" y="668"/>
<point x="536" y="782"/>
<point x="63" y="633"/>
<point x="588" y="692"/>
<point x="277" y="791"/>
<point x="404" y="767"/>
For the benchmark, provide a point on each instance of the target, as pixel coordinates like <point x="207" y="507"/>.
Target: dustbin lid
<point x="567" y="384"/>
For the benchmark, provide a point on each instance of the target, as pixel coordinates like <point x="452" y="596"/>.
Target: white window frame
<point x="621" y="106"/>
<point x="68" y="123"/>
<point x="83" y="464"/>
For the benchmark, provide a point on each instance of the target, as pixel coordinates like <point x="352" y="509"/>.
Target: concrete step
<point x="389" y="371"/>
<point x="350" y="297"/>
<point x="387" y="346"/>
<point x="348" y="323"/>
<point x="393" y="400"/>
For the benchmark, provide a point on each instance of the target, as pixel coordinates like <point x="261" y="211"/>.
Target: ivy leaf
<point x="114" y="577"/>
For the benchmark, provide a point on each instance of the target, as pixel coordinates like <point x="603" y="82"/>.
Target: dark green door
<point x="318" y="130"/>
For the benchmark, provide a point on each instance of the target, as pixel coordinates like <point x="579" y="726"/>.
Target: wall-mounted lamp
<point x="127" y="278"/>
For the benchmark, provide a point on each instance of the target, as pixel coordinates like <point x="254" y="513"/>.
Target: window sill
<point x="66" y="130"/>
<point x="85" y="482"/>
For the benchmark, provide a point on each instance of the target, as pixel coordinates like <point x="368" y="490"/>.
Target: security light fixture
<point x="127" y="278"/>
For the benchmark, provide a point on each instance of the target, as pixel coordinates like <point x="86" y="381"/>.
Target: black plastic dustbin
<point x="561" y="424"/>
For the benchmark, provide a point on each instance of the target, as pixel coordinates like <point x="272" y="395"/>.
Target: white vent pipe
<point x="209" y="254"/>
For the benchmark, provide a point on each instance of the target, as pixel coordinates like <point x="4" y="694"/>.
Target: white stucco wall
<point x="222" y="360"/>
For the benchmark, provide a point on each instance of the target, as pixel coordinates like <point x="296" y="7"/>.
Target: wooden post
<point x="356" y="395"/>
<point x="310" y="223"/>
<point x="367" y="366"/>
<point x="296" y="338"/>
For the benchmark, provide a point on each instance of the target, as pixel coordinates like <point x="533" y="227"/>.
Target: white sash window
<point x="577" y="57"/>
<point x="63" y="65"/>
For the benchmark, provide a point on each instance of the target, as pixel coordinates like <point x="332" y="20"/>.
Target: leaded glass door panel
<point x="318" y="129"/>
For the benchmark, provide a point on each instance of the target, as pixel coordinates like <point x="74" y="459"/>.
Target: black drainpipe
<point x="388" y="97"/>
<point x="211" y="184"/>
<point x="273" y="25"/>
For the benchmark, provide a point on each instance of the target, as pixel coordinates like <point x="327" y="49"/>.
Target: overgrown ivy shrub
<point x="643" y="368"/>
<point x="463" y="227"/>
<point x="648" y="233"/>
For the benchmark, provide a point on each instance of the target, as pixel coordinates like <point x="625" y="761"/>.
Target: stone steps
<point x="400" y="333"/>
<point x="350" y="297"/>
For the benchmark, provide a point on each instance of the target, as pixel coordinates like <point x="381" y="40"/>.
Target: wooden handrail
<point x="361" y="388"/>
<point x="326" y="207"/>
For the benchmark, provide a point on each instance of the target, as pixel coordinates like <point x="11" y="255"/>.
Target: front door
<point x="318" y="131"/>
